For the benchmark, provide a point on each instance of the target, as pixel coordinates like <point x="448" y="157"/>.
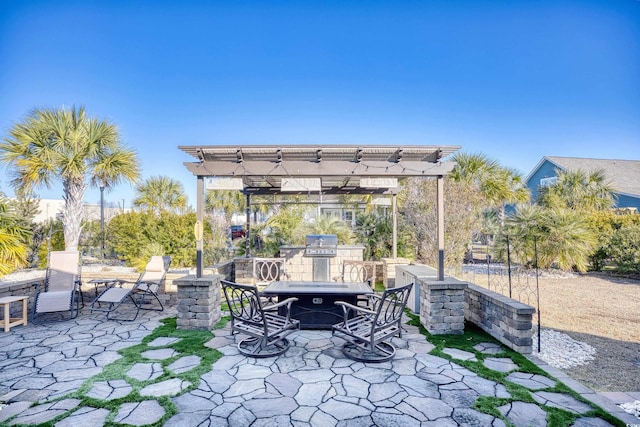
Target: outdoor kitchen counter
<point x="315" y="308"/>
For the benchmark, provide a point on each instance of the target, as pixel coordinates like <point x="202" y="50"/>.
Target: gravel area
<point x="561" y="351"/>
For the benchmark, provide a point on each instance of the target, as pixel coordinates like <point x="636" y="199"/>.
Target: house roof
<point x="623" y="174"/>
<point x="341" y="168"/>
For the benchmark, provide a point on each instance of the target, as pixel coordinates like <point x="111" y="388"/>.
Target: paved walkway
<point x="311" y="385"/>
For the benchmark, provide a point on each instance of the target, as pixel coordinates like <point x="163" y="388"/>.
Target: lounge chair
<point x="141" y="292"/>
<point x="60" y="291"/>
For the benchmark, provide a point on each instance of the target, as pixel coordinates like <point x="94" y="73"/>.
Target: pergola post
<point x="440" y="213"/>
<point x="394" y="217"/>
<point x="199" y="223"/>
<point x="247" y="242"/>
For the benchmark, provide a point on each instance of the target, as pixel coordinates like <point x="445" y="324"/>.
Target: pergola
<point x="316" y="169"/>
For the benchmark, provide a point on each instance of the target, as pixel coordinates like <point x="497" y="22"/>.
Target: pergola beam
<point x="340" y="169"/>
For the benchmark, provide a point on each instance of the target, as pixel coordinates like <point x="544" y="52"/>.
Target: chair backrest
<point x="267" y="270"/>
<point x="155" y="270"/>
<point x="244" y="303"/>
<point x="390" y="307"/>
<point x="356" y="271"/>
<point x="63" y="270"/>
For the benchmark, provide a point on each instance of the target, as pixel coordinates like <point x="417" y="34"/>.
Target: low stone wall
<point x="198" y="302"/>
<point x="442" y="305"/>
<point x="243" y="271"/>
<point x="25" y="287"/>
<point x="167" y="293"/>
<point x="507" y="320"/>
<point x="389" y="270"/>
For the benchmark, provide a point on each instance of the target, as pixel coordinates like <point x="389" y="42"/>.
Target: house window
<point x="548" y="182"/>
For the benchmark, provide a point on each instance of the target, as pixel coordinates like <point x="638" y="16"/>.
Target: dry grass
<point x="599" y="310"/>
<point x="590" y="303"/>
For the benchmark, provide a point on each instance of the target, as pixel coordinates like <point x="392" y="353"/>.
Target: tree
<point x="498" y="185"/>
<point x="228" y="202"/>
<point x="13" y="238"/>
<point x="417" y="204"/>
<point x="159" y="194"/>
<point x="374" y="230"/>
<point x="578" y="190"/>
<point x="67" y="145"/>
<point x="330" y="225"/>
<point x="564" y="238"/>
<point x="135" y="236"/>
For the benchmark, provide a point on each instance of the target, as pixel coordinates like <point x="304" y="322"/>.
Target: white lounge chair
<point x="141" y="292"/>
<point x="60" y="291"/>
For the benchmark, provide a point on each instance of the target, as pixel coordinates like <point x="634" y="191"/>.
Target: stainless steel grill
<point x="321" y="247"/>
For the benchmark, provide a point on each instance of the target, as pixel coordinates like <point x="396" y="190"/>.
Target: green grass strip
<point x="191" y="343"/>
<point x="472" y="336"/>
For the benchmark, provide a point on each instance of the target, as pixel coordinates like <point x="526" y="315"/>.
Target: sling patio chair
<point x="60" y="291"/>
<point x="141" y="292"/>
<point x="367" y="330"/>
<point x="267" y="326"/>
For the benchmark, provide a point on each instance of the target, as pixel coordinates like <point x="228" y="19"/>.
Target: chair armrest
<point x="348" y="307"/>
<point x="286" y="302"/>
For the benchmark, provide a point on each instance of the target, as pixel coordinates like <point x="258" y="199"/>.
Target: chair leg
<point x="142" y="301"/>
<point x="112" y="309"/>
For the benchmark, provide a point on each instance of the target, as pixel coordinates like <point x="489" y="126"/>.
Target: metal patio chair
<point x="367" y="330"/>
<point x="358" y="271"/>
<point x="141" y="292"/>
<point x="268" y="270"/>
<point x="266" y="329"/>
<point x="60" y="291"/>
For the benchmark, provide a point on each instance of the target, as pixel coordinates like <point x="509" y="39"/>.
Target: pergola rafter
<point x="340" y="169"/>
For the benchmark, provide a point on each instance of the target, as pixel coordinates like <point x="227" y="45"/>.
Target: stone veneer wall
<point x="243" y="271"/>
<point x="198" y="302"/>
<point x="18" y="289"/>
<point x="507" y="320"/>
<point x="389" y="270"/>
<point x="167" y="293"/>
<point x="442" y="305"/>
<point x="301" y="268"/>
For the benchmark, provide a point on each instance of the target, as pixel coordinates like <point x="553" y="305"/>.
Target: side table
<point x="8" y="322"/>
<point x="105" y="282"/>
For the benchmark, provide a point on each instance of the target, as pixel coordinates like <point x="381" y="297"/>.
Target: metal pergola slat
<point x="340" y="168"/>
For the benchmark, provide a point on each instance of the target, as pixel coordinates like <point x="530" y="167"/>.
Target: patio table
<point x="315" y="308"/>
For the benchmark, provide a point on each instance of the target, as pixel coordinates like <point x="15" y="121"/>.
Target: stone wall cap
<point x="447" y="283"/>
<point x="519" y="307"/>
<point x="192" y="280"/>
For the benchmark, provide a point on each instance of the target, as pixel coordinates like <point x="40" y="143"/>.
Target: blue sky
<point x="513" y="80"/>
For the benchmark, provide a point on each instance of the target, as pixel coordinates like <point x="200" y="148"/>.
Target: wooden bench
<point x="367" y="329"/>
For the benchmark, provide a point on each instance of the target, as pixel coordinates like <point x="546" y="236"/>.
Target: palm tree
<point x="564" y="238"/>
<point x="498" y="185"/>
<point x="160" y="193"/>
<point x="228" y="201"/>
<point x="67" y="145"/>
<point x="325" y="224"/>
<point x="13" y="237"/>
<point x="579" y="190"/>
